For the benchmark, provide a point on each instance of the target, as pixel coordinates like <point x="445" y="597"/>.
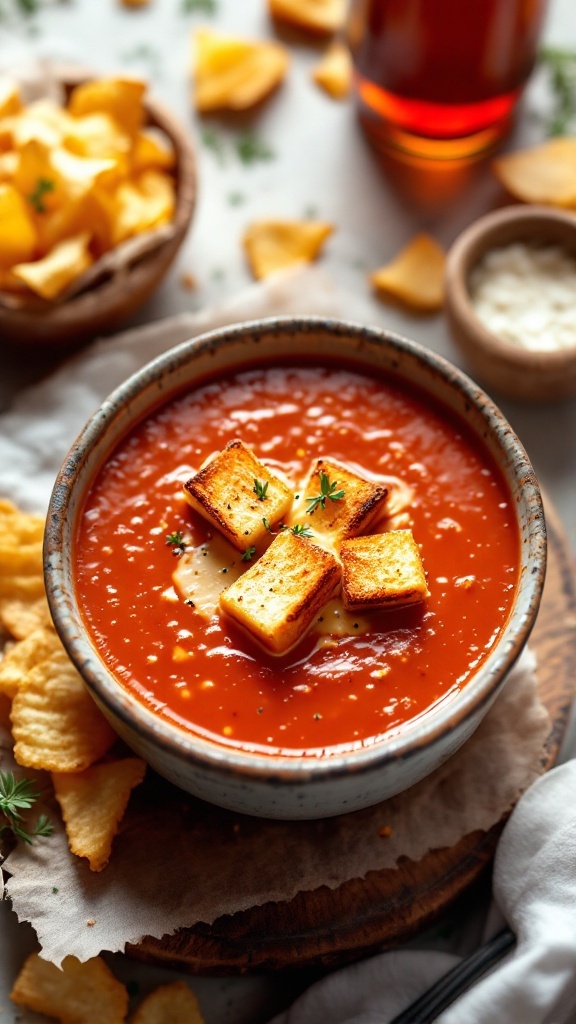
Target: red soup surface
<point x="331" y="691"/>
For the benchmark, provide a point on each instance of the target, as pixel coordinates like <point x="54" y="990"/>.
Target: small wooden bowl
<point x="512" y="371"/>
<point x="106" y="304"/>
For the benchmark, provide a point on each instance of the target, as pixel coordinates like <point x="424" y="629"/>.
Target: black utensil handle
<point x="426" y="1008"/>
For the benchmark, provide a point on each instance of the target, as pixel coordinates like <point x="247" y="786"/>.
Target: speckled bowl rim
<point x="122" y="406"/>
<point x="465" y="253"/>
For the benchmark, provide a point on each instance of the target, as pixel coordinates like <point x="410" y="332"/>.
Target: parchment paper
<point x="176" y="860"/>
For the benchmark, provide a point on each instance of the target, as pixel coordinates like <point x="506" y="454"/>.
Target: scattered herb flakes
<point x="561" y="68"/>
<point x="247" y="556"/>
<point x="145" y="54"/>
<point x="327" y="490"/>
<point x="236" y="199"/>
<point x="176" y="542"/>
<point x="212" y="139"/>
<point x="16" y="796"/>
<point x="251" y="148"/>
<point x="267" y="524"/>
<point x="55" y="889"/>
<point x="42" y="188"/>
<point x="199" y="7"/>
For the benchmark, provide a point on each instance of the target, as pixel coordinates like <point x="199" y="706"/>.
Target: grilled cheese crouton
<point x="383" y="570"/>
<point x="346" y="516"/>
<point x="279" y="597"/>
<point x="225" y="493"/>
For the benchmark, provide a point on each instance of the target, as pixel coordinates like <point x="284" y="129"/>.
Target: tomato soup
<point x="342" y="687"/>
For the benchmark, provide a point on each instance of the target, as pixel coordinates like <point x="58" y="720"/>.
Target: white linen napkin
<point x="534" y="887"/>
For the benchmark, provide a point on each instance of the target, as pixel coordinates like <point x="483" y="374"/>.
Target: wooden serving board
<point x="329" y="927"/>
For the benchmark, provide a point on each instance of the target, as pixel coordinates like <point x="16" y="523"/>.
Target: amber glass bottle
<point x="442" y="77"/>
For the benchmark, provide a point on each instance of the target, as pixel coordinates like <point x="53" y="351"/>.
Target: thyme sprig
<point x="260" y="488"/>
<point x="299" y="529"/>
<point x="18" y="795"/>
<point x="327" y="490"/>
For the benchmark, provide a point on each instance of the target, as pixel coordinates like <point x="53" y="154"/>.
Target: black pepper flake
<point x="189" y="602"/>
<point x="355" y="625"/>
<point x="259" y="710"/>
<point x="317" y="715"/>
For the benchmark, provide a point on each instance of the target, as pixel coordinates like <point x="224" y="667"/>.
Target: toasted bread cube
<point x="346" y="516"/>
<point x="383" y="570"/>
<point x="279" y="597"/>
<point x="224" y="492"/>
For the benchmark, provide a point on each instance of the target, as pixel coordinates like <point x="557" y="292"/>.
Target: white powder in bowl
<point x="526" y="295"/>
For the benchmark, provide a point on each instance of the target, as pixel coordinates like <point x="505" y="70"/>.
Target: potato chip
<point x="22" y="656"/>
<point x="93" y="803"/>
<point x="78" y="993"/>
<point x="174" y="1003"/>
<point x="55" y="723"/>
<point x="10" y="102"/>
<point x="52" y="274"/>
<point x="43" y="120"/>
<point x="18" y="527"/>
<point x="152" y="152"/>
<point x="21" y="616"/>
<point x="143" y="204"/>
<point x="235" y="74"/>
<point x="94" y="213"/>
<point x="334" y="72"/>
<point x="415" y="276"/>
<point x="272" y="245"/>
<point x="119" y="97"/>
<point x="25" y="587"/>
<point x="97" y="136"/>
<point x="541" y="174"/>
<point x="316" y="15"/>
<point x="37" y="179"/>
<point x="8" y="165"/>
<point x="23" y="559"/>
<point x="18" y="237"/>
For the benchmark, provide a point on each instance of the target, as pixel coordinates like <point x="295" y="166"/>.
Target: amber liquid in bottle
<point x="442" y="77"/>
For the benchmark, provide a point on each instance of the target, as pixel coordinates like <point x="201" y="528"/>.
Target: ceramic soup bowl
<point x="342" y="744"/>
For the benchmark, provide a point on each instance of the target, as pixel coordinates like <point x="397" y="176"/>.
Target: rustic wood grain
<point x="329" y="927"/>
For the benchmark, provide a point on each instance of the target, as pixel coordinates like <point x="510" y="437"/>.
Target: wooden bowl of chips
<point x="100" y="191"/>
<point x="510" y="290"/>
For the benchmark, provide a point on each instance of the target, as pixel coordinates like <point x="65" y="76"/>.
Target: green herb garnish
<point x="247" y="556"/>
<point x="561" y="67"/>
<point x="260" y="489"/>
<point x="201" y="6"/>
<point x="19" y="795"/>
<point x="250" y="148"/>
<point x="327" y="490"/>
<point x="212" y="139"/>
<point x="300" y="530"/>
<point x="176" y="542"/>
<point x="36" y="198"/>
